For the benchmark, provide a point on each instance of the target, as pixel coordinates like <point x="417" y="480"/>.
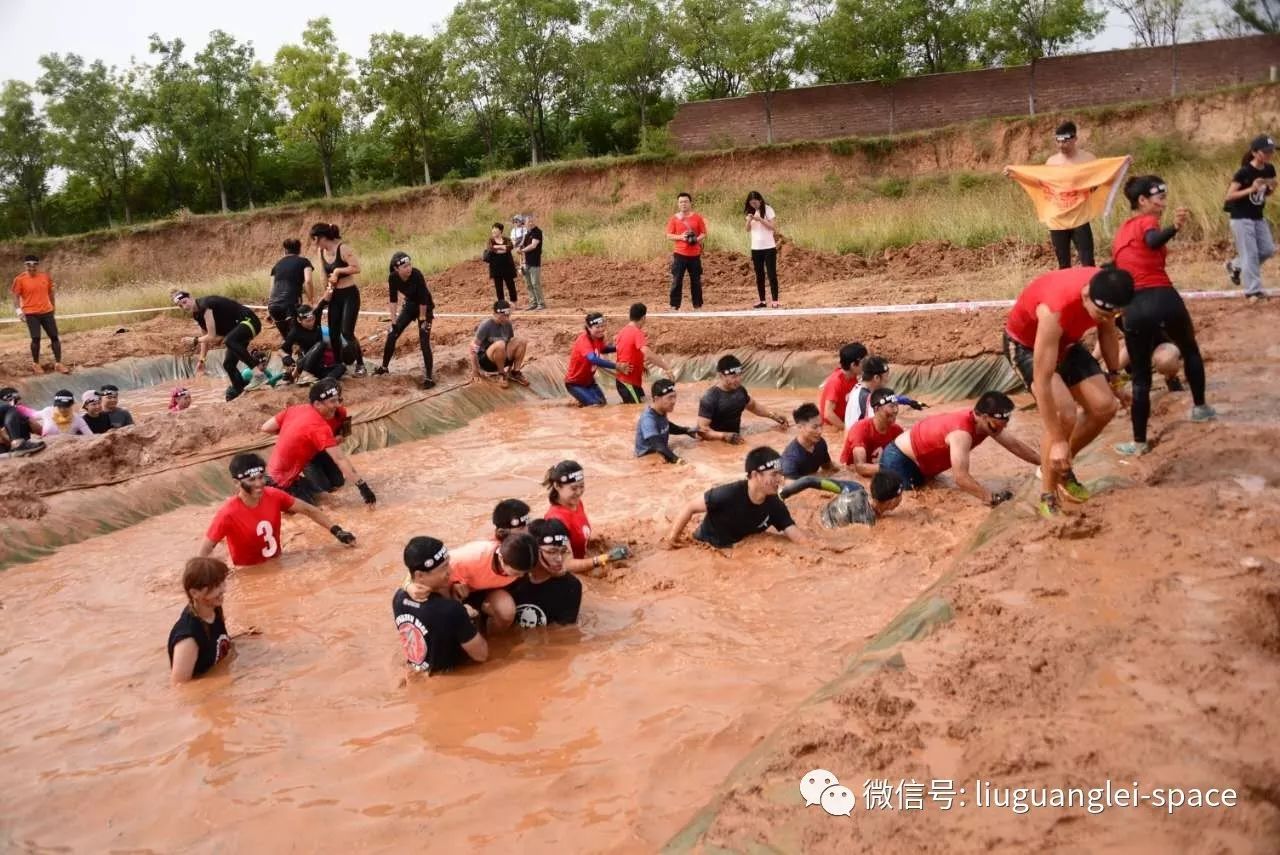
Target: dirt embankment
<point x="197" y="249"/>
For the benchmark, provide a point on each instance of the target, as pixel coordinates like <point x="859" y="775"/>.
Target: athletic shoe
<point x="1175" y="385"/>
<point x="361" y="371"/>
<point x="1203" y="413"/>
<point x="1233" y="272"/>
<point x="36" y="369"/>
<point x="27" y="446"/>
<point x="1048" y="506"/>
<point x="1075" y="491"/>
<point x="775" y="305"/>
<point x="1133" y="449"/>
<point x="428" y="383"/>
<point x="1255" y="299"/>
<point x="60" y="368"/>
<point x="380" y="370"/>
<point x="285" y="380"/>
<point x="256" y="382"/>
<point x="233" y="393"/>
<point x="306" y="378"/>
<point x="519" y="377"/>
<point x="759" y="305"/>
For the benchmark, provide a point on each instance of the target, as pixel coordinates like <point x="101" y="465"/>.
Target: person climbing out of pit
<point x="482" y="571"/>
<point x="249" y="521"/>
<point x="510" y="516"/>
<point x="307" y="349"/>
<point x="497" y="350"/>
<point x="290" y="282"/>
<point x="33" y="302"/>
<point x="585" y="357"/>
<point x="633" y="350"/>
<point x="437" y="632"/>
<point x="736" y="510"/>
<point x="199" y="639"/>
<point x="721" y="407"/>
<point x="867" y="439"/>
<point x="861" y="506"/>
<point x="15" y="426"/>
<point x="1156" y="310"/>
<point x="834" y="396"/>
<point x="110" y="394"/>
<point x="226" y="322"/>
<point x="419" y="309"/>
<point x="549" y="593"/>
<point x="807" y="455"/>
<point x="305" y="436"/>
<point x="1042" y="343"/>
<point x="654" y="429"/>
<point x="944" y="442"/>
<point x="566" y="482"/>
<point x="94" y="417"/>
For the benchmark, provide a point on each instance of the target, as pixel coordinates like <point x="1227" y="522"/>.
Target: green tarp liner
<point x="86" y="510"/>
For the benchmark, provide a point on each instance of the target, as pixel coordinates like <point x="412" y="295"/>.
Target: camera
<point x="690" y="236"/>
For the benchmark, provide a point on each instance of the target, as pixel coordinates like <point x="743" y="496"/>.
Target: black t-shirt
<point x="532" y="257"/>
<point x="1249" y="207"/>
<point x="432" y="632"/>
<point x="212" y="639"/>
<point x="289" y="277"/>
<point x="101" y="423"/>
<point x="557" y="600"/>
<point x="724" y="408"/>
<point x="414" y="290"/>
<point x="731" y="515"/>
<point x="120" y="417"/>
<point x="797" y="462"/>
<point x="226" y="314"/>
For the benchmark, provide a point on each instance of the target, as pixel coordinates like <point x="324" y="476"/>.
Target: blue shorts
<point x="893" y="460"/>
<point x="587" y="396"/>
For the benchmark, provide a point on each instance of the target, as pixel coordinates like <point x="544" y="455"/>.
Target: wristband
<point x="334" y="529"/>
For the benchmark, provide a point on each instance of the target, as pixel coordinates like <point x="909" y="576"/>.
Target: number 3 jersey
<point x="252" y="534"/>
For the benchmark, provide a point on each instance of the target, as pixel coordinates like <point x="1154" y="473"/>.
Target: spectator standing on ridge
<point x="502" y="267"/>
<point x="688" y="231"/>
<point x="1070" y="154"/>
<point x="762" y="227"/>
<point x="531" y="251"/>
<point x="32" y="291"/>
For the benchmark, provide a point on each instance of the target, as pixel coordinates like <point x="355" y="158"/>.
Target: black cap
<point x="1111" y="288"/>
<point x="880" y="397"/>
<point x="63" y="398"/>
<point x="304" y="311"/>
<point x="501" y="306"/>
<point x="9" y="394"/>
<point x="594" y="318"/>
<point x="1262" y="142"/>
<point x="424" y="553"/>
<point x="729" y="364"/>
<point x="662" y="388"/>
<point x="30" y="257"/>
<point x="324" y="390"/>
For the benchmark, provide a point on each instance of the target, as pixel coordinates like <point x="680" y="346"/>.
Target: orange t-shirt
<point x="35" y="292"/>
<point x="472" y="565"/>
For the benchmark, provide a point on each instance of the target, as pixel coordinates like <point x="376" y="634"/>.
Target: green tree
<point x="475" y="64"/>
<point x="160" y="100"/>
<point x="712" y="41"/>
<point x="859" y="40"/>
<point x="771" y="53"/>
<point x="631" y="53"/>
<point x="316" y="81"/>
<point x="86" y="103"/>
<point x="536" y="36"/>
<point x="404" y="77"/>
<point x="24" y="152"/>
<point x="255" y="121"/>
<point x="1019" y="31"/>
<point x="1260" y="15"/>
<point x="1155" y="22"/>
<point x="221" y="72"/>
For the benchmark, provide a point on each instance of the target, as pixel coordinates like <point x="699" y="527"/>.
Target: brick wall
<point x="916" y="103"/>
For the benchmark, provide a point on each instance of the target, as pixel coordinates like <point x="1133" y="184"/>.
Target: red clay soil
<point x="1137" y="640"/>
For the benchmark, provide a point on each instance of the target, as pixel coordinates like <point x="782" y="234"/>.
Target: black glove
<point x="286" y="361"/>
<point x="619" y="553"/>
<point x="910" y="402"/>
<point x="1001" y="497"/>
<point x="365" y="492"/>
<point x="342" y="534"/>
<point x="734" y="439"/>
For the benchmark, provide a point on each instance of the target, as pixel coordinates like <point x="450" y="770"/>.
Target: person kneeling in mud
<point x="742" y="508"/>
<point x="438" y="633"/>
<point x="548" y="593"/>
<point x="807" y="455"/>
<point x="307" y="439"/>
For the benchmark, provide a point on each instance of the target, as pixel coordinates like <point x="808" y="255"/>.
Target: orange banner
<point x="1070" y="196"/>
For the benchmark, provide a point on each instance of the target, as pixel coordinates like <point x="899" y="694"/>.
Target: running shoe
<point x="775" y="304"/>
<point x="1071" y="485"/>
<point x="1048" y="506"/>
<point x="760" y="305"/>
<point x="256" y="382"/>
<point x="60" y="368"/>
<point x="1133" y="449"/>
<point x="1175" y="385"/>
<point x="519" y="377"/>
<point x="306" y="378"/>
<point x="1203" y="413"/>
<point x="27" y="446"/>
<point x="233" y="393"/>
<point x="1255" y="299"/>
<point x="428" y="383"/>
<point x="380" y="370"/>
<point x="361" y="371"/>
<point x="1233" y="272"/>
<point x="36" y="369"/>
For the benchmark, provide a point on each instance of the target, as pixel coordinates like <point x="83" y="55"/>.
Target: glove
<point x="913" y="404"/>
<point x="365" y="492"/>
<point x="734" y="439"/>
<point x="1001" y="497"/>
<point x="342" y="534"/>
<point x="286" y="361"/>
<point x="619" y="553"/>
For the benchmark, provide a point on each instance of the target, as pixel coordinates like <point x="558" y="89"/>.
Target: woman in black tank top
<point x="344" y="299"/>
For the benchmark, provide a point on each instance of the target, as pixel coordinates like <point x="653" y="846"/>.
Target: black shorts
<point x="1076" y="366"/>
<point x="486" y="364"/>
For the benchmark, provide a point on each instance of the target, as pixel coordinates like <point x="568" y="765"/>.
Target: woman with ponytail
<point x="341" y="267"/>
<point x="1253" y="182"/>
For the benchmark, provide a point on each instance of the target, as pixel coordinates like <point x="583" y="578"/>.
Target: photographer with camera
<point x="689" y="231"/>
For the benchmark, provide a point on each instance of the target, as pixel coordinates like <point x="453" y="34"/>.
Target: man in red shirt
<point x="633" y="349"/>
<point x="250" y="520"/>
<point x="836" y="388"/>
<point x="1042" y="342"/>
<point x="32" y="291"/>
<point x="938" y="443"/>
<point x="585" y="358"/>
<point x="306" y="435"/>
<point x="868" y="437"/>
<point x="688" y="231"/>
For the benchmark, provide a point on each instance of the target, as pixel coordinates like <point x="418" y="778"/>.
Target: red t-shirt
<point x="339" y="416"/>
<point x="580" y="371"/>
<point x="836" y="388"/>
<point x="677" y="226"/>
<point x="303" y="434"/>
<point x="629" y="342"/>
<point x="34" y="292"/>
<point x="577" y="523"/>
<point x="1060" y="291"/>
<point x="1131" y="253"/>
<point x="252" y="534"/>
<point x="864" y="434"/>
<point x="929" y="439"/>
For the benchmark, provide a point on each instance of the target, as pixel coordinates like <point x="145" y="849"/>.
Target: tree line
<point x="503" y="83"/>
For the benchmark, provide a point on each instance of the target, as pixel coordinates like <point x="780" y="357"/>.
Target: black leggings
<point x="236" y="343"/>
<point x="312" y="362"/>
<point x="409" y="315"/>
<point x="504" y="277"/>
<point x="1152" y="311"/>
<point x="282" y="316"/>
<point x="15" y="423"/>
<point x="766" y="260"/>
<point x="46" y="322"/>
<point x="1081" y="236"/>
<point x="344" y="311"/>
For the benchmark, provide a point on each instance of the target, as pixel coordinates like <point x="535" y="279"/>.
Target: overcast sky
<point x="115" y="32"/>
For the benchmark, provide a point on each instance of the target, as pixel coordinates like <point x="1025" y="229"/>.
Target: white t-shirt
<point x="852" y="412"/>
<point x="761" y="237"/>
<point x="50" y="427"/>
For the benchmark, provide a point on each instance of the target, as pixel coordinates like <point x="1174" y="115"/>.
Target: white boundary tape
<point x="887" y="309"/>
